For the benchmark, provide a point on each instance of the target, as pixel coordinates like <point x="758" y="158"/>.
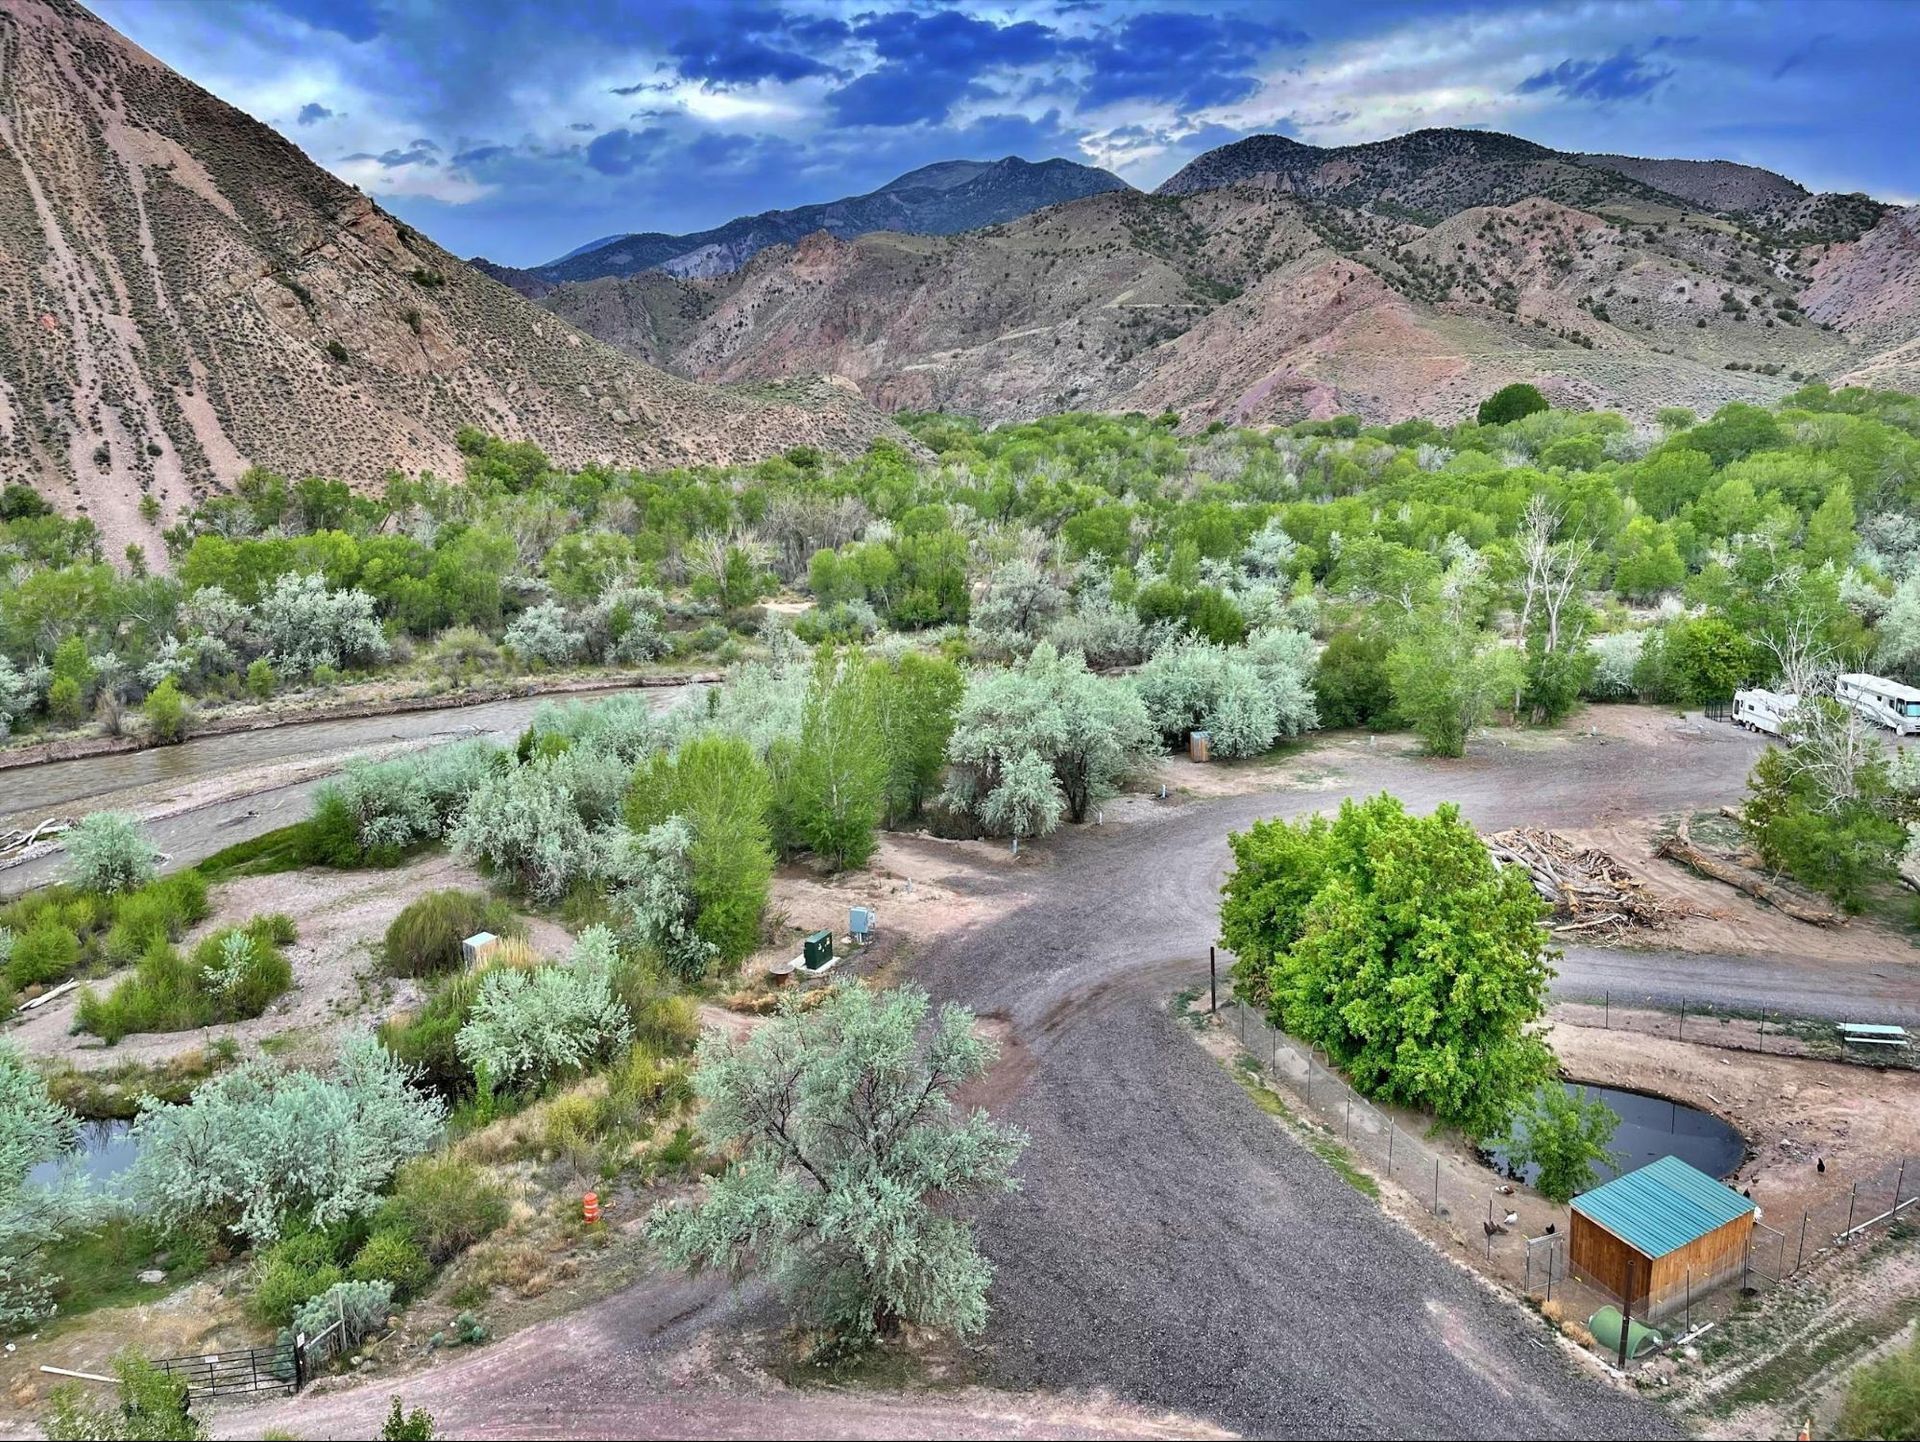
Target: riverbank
<point x="346" y="703"/>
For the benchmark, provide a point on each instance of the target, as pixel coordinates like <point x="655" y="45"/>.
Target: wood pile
<point x="1588" y="889"/>
<point x="1681" y="847"/>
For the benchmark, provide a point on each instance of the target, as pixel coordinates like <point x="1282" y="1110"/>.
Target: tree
<point x="107" y="853"/>
<point x="1245" y="698"/>
<point x="652" y="877"/>
<point x="1020" y="602"/>
<point x="1040" y="739"/>
<point x="1565" y="1136"/>
<point x="851" y="1155"/>
<point x="1393" y="941"/>
<point x="541" y="822"/>
<point x="546" y="634"/>
<point x="723" y="791"/>
<point x="1510" y="403"/>
<point x="832" y="778"/>
<point x="915" y="698"/>
<point x="306" y="626"/>
<point x="1446" y="676"/>
<point x="166" y="713"/>
<point x="1350" y="686"/>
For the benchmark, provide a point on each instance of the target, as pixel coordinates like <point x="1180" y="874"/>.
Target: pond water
<point x="106" y="1150"/>
<point x="1651" y="1128"/>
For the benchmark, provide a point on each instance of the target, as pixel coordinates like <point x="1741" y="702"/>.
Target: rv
<point x="1760" y="710"/>
<point x="1886" y="703"/>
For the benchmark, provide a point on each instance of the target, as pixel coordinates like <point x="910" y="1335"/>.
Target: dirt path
<point x="1169" y="1246"/>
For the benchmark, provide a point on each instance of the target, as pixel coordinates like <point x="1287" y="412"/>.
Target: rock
<point x="152" y="1277"/>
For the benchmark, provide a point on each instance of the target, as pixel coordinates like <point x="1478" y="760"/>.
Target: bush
<point x="159" y="911"/>
<point x="391" y="1255"/>
<point x="361" y="1307"/>
<point x="257" y="1147"/>
<point x="425" y="938"/>
<point x="232" y="975"/>
<point x="260" y="679"/>
<point x="166" y="713"/>
<point x="45" y="953"/>
<point x="290" y="1273"/>
<point x="528" y="1026"/>
<point x="1350" y="685"/>
<point x="108" y="853"/>
<point x="443" y="1206"/>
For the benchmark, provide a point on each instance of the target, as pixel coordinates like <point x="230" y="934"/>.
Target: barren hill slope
<point x="183" y="293"/>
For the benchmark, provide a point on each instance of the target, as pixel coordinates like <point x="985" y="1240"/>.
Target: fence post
<point x="1436" y="1186"/>
<point x="1349" y="1124"/>
<point x="1763" y="1033"/>
<point x="1689" y="1299"/>
<point x="1213" y="983"/>
<point x="1241" y="1007"/>
<point x="299" y="1361"/>
<point x="1853" y="1193"/>
<point x="1899" y="1183"/>
<point x="1389" y="1148"/>
<point x="1800" y="1254"/>
<point x="1683" y="1018"/>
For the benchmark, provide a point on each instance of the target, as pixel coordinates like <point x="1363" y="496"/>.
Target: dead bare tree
<point x="1550" y="578"/>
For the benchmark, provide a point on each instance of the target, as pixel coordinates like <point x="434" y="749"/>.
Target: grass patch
<point x="114" y="1094"/>
<point x="102" y="1268"/>
<point x="232" y="975"/>
<point x="1246" y="1071"/>
<point x="268" y="854"/>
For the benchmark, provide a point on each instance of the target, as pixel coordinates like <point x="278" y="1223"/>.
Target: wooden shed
<point x="1655" y="1234"/>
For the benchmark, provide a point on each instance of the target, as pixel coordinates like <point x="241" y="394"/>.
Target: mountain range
<point x="939" y="199"/>
<point x="186" y="294"/>
<point x="1270" y="281"/>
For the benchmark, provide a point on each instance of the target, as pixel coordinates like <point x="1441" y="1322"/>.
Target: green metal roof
<point x="1662" y="1206"/>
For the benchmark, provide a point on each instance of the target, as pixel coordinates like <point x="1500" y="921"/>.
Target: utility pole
<point x="1626" y="1313"/>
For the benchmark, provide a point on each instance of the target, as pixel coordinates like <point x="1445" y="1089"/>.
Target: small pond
<point x="106" y="1150"/>
<point x="1651" y="1128"/>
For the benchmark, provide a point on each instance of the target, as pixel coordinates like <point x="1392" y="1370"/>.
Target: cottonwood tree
<point x="831" y="780"/>
<point x="1553" y="616"/>
<point x="1393" y="942"/>
<point x="849" y="1154"/>
<point x="1566" y="1137"/>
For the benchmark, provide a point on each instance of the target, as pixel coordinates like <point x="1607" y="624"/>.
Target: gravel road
<point x="1171" y="1245"/>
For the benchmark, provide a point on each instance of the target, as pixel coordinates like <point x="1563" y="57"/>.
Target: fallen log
<point x="1679" y="847"/>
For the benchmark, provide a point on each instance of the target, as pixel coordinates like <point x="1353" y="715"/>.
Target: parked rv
<point x="1762" y="710"/>
<point x="1883" y="702"/>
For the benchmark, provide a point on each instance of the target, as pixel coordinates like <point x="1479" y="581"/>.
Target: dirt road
<point x="1170" y="1246"/>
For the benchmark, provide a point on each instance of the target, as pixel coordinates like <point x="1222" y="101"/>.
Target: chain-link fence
<point x="1508" y="1231"/>
<point x="1768" y="1031"/>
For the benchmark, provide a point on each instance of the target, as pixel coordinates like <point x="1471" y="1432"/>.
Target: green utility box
<point x="817" y="951"/>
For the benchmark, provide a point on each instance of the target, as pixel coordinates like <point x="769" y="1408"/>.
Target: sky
<point x="521" y="131"/>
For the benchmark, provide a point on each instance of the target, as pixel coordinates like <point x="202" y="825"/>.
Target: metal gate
<point x="238" y="1373"/>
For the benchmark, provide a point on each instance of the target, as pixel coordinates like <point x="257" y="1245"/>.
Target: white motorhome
<point x="1886" y="703"/>
<point x="1762" y="710"/>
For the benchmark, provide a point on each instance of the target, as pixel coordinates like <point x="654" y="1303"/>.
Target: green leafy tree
<point x="1350" y="685"/>
<point x="1447" y="676"/>
<point x="832" y="778"/>
<point x="722" y="790"/>
<point x="915" y="698"/>
<point x="1393" y="942"/>
<point x="1510" y="403"/>
<point x="1566" y="1137"/>
<point x="851" y="1157"/>
<point x="166" y="713"/>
